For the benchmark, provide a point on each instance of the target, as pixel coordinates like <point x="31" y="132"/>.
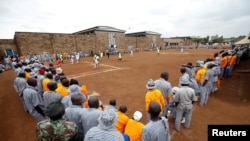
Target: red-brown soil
<point x="125" y="81"/>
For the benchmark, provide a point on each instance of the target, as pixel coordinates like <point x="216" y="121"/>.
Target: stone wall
<point x="38" y="43"/>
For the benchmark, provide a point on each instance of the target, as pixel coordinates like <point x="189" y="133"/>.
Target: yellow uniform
<point x="200" y="75"/>
<point x="154" y="95"/>
<point x="45" y="82"/>
<point x="63" y="91"/>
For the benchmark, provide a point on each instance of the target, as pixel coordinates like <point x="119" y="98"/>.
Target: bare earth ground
<point x="125" y="81"/>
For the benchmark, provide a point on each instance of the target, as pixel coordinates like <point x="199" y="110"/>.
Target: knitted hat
<point x="137" y="115"/>
<point x="151" y="84"/>
<point x="107" y="119"/>
<point x="74" y="89"/>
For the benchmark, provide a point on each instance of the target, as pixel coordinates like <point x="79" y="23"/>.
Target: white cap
<point x="137" y="116"/>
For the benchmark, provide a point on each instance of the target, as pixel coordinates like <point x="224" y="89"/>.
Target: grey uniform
<point x="156" y="131"/>
<point x="39" y="84"/>
<point x="185" y="96"/>
<point x="207" y="89"/>
<point x="51" y="96"/>
<point x="217" y="73"/>
<point x="72" y="113"/>
<point x="20" y="84"/>
<point x="166" y="90"/>
<point x="184" y="76"/>
<point x="18" y="70"/>
<point x="89" y="118"/>
<point x="193" y="83"/>
<point x="33" y="99"/>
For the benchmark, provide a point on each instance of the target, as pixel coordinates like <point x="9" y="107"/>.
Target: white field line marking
<point x="104" y="65"/>
<point x="95" y="72"/>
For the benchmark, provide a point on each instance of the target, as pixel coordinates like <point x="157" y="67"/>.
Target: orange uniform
<point x="134" y="130"/>
<point x="27" y="75"/>
<point x="223" y="62"/>
<point x="233" y="60"/>
<point x="121" y="122"/>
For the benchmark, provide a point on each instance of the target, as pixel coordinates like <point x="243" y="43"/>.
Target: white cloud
<point x="168" y="17"/>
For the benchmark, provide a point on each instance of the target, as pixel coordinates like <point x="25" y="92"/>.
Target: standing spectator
<point x="51" y="96"/>
<point x="216" y="69"/>
<point x="33" y="101"/>
<point x="157" y="129"/>
<point x="48" y="78"/>
<point x="190" y="70"/>
<point x="63" y="90"/>
<point x="27" y="71"/>
<point x="58" y="62"/>
<point x="72" y="113"/>
<point x="223" y="66"/>
<point x="200" y="73"/>
<point x="166" y="89"/>
<point x="73" y="89"/>
<point x="153" y="94"/>
<point x="122" y="118"/>
<point x="105" y="130"/>
<point x="2" y="68"/>
<point x="172" y="105"/>
<point x="134" y="127"/>
<point x="56" y="128"/>
<point x="184" y="100"/>
<point x="112" y="105"/>
<point x="207" y="85"/>
<point x="18" y="68"/>
<point x="184" y="75"/>
<point x="40" y="78"/>
<point x="232" y="63"/>
<point x="8" y="61"/>
<point x="89" y="116"/>
<point x="20" y="84"/>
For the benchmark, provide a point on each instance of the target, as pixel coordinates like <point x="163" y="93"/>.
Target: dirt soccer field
<point x="126" y="80"/>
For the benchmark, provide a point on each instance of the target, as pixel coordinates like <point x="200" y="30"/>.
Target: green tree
<point x="197" y="41"/>
<point x="218" y="40"/>
<point x="205" y="40"/>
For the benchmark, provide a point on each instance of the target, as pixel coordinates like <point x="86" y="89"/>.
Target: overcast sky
<point x="227" y="18"/>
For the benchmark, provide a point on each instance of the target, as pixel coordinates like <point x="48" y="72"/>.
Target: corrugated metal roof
<point x="100" y="28"/>
<point x="143" y="33"/>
